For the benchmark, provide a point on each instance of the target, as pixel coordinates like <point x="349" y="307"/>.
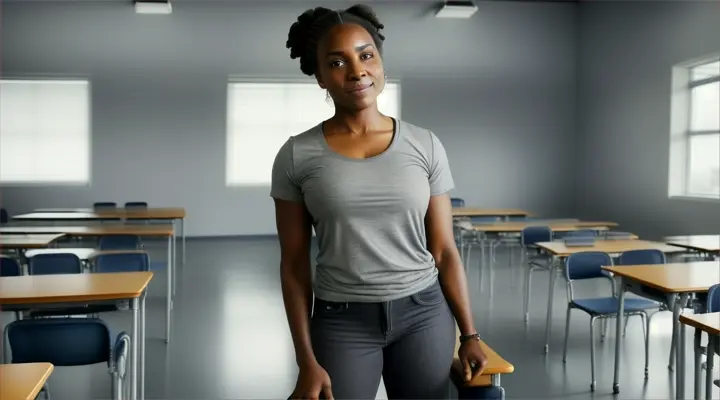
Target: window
<point x="262" y="116"/>
<point x="44" y="132"/>
<point x="695" y="132"/>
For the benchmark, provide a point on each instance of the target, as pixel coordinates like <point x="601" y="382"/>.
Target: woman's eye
<point x="336" y="63"/>
<point x="366" y="56"/>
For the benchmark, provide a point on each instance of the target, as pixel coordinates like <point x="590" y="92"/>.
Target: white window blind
<point x="262" y="116"/>
<point x="44" y="132"/>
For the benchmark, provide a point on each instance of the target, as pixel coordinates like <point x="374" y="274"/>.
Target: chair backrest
<point x="9" y="266"/>
<point x="4" y="217"/>
<point x="641" y="257"/>
<point x="120" y="242"/>
<point x="121" y="262"/>
<point x="457" y="202"/>
<point x="62" y="342"/>
<point x="535" y="234"/>
<point x="587" y="265"/>
<point x="54" y="263"/>
<point x="104" y="205"/>
<point x="136" y="204"/>
<point x="713" y="299"/>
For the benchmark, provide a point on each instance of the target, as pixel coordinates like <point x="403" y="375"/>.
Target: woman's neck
<point x="358" y="122"/>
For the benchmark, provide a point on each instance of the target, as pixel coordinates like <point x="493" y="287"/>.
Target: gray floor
<point x="230" y="338"/>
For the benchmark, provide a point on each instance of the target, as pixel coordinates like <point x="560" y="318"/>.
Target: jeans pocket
<point x="430" y="296"/>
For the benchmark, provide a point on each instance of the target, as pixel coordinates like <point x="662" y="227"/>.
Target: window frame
<point x="239" y="79"/>
<point x="90" y="123"/>
<point x="687" y="133"/>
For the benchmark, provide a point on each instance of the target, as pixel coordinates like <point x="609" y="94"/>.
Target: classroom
<point x="274" y="199"/>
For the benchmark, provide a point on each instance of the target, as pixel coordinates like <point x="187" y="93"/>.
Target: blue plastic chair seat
<point x="609" y="305"/>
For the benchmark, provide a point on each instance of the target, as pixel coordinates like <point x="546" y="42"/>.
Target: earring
<point x="328" y="98"/>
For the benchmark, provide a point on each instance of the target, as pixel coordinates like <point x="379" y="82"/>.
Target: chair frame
<point x="116" y="367"/>
<point x="598" y="316"/>
<point x="534" y="263"/>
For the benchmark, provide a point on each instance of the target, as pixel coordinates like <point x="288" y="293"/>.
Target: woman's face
<point x="350" y="67"/>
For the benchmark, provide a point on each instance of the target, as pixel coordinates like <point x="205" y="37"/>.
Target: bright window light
<point x="695" y="132"/>
<point x="262" y="116"/>
<point x="44" y="132"/>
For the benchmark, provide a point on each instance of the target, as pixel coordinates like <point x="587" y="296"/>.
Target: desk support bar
<point x="134" y="347"/>
<point x="618" y="334"/>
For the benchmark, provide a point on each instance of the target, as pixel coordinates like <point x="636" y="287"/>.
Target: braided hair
<point x="313" y="24"/>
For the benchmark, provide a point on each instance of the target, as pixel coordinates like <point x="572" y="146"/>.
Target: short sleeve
<point x="284" y="185"/>
<point x="441" y="180"/>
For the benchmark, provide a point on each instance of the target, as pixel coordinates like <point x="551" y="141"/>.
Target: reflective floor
<point x="230" y="338"/>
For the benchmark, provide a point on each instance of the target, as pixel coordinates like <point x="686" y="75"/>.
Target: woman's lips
<point x="360" y="90"/>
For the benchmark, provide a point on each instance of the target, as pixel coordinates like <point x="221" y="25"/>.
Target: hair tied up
<point x="305" y="33"/>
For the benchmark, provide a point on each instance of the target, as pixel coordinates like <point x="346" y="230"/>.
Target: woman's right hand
<point x="312" y="381"/>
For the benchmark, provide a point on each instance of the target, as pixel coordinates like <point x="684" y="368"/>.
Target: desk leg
<point x="482" y="260"/>
<point x="182" y="223"/>
<point x="142" y="344"/>
<point x="551" y="293"/>
<point x="618" y="334"/>
<point x="672" y="301"/>
<point x="698" y="364"/>
<point x="174" y="254"/>
<point x="491" y="272"/>
<point x="680" y="348"/>
<point x="135" y="343"/>
<point x="168" y="305"/>
<point x="711" y="347"/>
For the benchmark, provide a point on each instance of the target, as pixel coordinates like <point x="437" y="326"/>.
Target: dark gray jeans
<point x="409" y="342"/>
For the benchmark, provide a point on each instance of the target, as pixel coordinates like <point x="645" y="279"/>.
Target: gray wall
<point x="499" y="90"/>
<point x="625" y="59"/>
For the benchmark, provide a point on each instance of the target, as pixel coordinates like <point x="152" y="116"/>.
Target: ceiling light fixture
<point x="457" y="9"/>
<point x="153" y="7"/>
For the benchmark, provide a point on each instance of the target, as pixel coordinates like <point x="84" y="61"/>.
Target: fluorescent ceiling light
<point x="153" y="7"/>
<point x="457" y="9"/>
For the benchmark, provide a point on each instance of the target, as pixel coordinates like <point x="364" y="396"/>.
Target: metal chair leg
<point x="528" y="284"/>
<point x="625" y="326"/>
<point x="468" y="253"/>
<point x="646" y="333"/>
<point x="567" y="333"/>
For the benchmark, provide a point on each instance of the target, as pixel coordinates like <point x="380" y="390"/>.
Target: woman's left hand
<point x="472" y="358"/>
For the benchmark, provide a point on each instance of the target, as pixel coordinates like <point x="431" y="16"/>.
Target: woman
<point x="375" y="190"/>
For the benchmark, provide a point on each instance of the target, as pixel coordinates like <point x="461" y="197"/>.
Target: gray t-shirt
<point x="368" y="214"/>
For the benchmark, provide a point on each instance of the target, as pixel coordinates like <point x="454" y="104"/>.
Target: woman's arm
<point x="294" y="231"/>
<point x="441" y="243"/>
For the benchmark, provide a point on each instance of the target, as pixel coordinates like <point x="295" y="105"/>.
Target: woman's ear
<point x="320" y="80"/>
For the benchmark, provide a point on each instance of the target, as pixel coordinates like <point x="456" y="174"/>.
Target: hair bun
<point x="299" y="30"/>
<point x="365" y="12"/>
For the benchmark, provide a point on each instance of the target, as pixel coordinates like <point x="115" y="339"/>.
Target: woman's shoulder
<point x="301" y="146"/>
<point x="310" y="134"/>
<point x="418" y="135"/>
